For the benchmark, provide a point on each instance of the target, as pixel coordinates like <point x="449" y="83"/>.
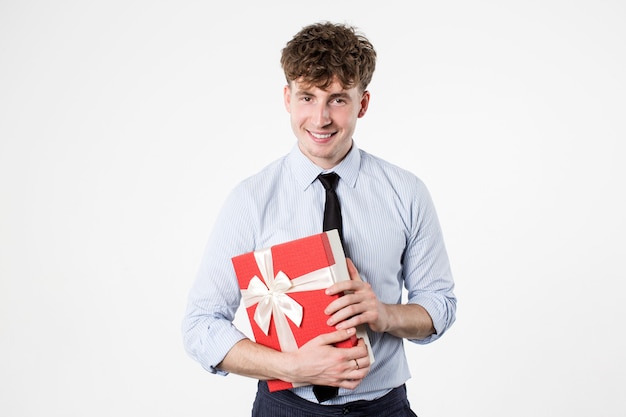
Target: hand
<point x="358" y="305"/>
<point x="318" y="362"/>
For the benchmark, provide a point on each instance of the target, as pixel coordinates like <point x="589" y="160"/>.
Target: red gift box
<point x="283" y="291"/>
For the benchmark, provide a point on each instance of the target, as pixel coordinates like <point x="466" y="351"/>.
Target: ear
<point x="287" y="98"/>
<point x="365" y="101"/>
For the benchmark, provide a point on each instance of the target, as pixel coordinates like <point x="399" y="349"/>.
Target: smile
<point x="320" y="136"/>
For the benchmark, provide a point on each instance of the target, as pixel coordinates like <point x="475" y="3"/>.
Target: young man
<point x="390" y="232"/>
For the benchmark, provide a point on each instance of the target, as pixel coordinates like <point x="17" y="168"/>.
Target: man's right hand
<point x="318" y="362"/>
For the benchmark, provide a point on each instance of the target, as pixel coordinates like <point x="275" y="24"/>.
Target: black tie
<point x="332" y="210"/>
<point x="332" y="220"/>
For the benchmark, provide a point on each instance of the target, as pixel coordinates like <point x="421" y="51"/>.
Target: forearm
<point x="253" y="360"/>
<point x="410" y="321"/>
<point x="316" y="362"/>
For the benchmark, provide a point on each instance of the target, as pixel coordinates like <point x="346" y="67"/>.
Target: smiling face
<point x="324" y="120"/>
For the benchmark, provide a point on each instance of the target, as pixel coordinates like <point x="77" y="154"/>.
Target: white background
<point x="123" y="125"/>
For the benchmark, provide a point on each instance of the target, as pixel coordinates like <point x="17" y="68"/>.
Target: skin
<point x="323" y="122"/>
<point x="360" y="305"/>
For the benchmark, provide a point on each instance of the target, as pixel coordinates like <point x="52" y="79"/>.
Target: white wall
<point x="123" y="124"/>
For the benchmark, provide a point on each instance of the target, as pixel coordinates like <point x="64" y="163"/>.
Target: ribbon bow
<point x="272" y="299"/>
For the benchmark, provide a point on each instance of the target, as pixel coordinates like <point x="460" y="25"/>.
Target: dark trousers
<point x="287" y="404"/>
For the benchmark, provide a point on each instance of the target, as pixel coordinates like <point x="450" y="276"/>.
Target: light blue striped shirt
<point x="391" y="233"/>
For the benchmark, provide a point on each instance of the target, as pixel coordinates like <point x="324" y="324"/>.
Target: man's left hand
<point x="358" y="305"/>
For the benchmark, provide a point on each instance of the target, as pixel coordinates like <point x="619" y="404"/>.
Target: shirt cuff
<point x="440" y="312"/>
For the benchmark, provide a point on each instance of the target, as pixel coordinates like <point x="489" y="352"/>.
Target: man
<point x="391" y="235"/>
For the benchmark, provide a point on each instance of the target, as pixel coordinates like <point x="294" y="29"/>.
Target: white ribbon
<point x="272" y="298"/>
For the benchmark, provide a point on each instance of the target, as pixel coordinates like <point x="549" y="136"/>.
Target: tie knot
<point x="329" y="181"/>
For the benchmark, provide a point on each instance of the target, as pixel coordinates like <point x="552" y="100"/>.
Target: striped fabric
<point x="391" y="232"/>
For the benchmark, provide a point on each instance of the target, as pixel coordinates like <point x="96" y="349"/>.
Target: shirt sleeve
<point x="426" y="268"/>
<point x="207" y="327"/>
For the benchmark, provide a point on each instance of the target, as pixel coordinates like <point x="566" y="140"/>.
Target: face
<point x="324" y="120"/>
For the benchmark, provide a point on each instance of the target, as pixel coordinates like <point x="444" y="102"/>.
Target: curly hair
<point x="322" y="51"/>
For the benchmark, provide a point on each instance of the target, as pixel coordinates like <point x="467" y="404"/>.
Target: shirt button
<point x="346" y="410"/>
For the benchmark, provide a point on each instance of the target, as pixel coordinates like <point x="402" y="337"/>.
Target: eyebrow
<point x="332" y="96"/>
<point x="340" y="95"/>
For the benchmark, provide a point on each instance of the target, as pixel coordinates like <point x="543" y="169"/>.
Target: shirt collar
<point x="305" y="171"/>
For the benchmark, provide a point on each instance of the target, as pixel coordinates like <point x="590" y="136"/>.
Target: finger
<point x="346" y="286"/>
<point x="352" y="271"/>
<point x="359" y="352"/>
<point x="342" y="287"/>
<point x="362" y="361"/>
<point x="353" y="380"/>
<point x="350" y="322"/>
<point x="346" y="318"/>
<point x="340" y="303"/>
<point x="365" y="357"/>
<point x="355" y="374"/>
<point x="350" y="285"/>
<point x="352" y="315"/>
<point x="360" y="364"/>
<point x="336" y="336"/>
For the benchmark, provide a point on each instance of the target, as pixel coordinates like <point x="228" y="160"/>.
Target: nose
<point x="321" y="115"/>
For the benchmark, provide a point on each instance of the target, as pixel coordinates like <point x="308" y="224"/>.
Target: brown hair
<point x="322" y="51"/>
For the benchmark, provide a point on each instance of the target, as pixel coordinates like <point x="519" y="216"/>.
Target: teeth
<point x="318" y="136"/>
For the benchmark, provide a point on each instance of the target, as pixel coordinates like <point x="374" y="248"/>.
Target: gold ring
<point x="357" y="365"/>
